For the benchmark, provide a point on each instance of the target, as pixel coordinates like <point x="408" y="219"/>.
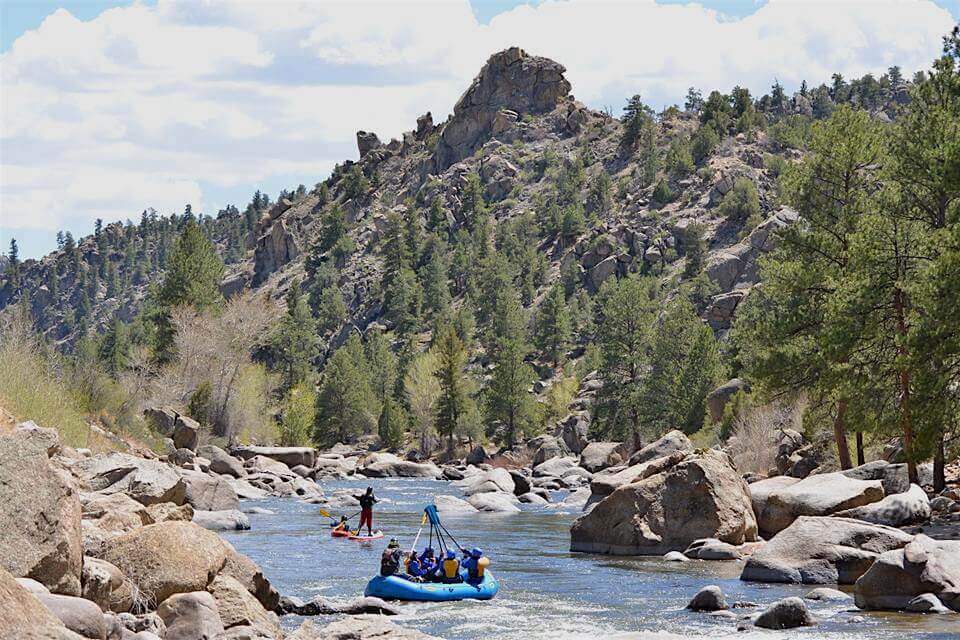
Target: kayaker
<point x="340" y="526"/>
<point x="450" y="568"/>
<point x="391" y="558"/>
<point x="367" y="500"/>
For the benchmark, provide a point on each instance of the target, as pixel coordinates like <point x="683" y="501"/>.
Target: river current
<point x="546" y="591"/>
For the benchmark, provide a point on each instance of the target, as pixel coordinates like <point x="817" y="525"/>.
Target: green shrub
<point x="742" y="202"/>
<point x="662" y="194"/>
<point x="297" y="417"/>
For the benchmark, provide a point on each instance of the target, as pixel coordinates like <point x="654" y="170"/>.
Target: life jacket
<point x="451" y="569"/>
<point x="482" y="563"/>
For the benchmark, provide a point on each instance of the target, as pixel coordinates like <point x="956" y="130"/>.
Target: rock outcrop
<point x="40" y="513"/>
<point x="822" y="550"/>
<point x="146" y="481"/>
<point x="895" y="510"/>
<point x="511" y="81"/>
<point x="700" y="496"/>
<point x="22" y="615"/>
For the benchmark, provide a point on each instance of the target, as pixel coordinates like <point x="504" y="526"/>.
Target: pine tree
<point x="391" y="424"/>
<point x="114" y="348"/>
<point x="295" y="341"/>
<point x="382" y="366"/>
<point x="454" y="401"/>
<point x="684" y="367"/>
<point x="194" y="272"/>
<point x="331" y="309"/>
<point x="628" y="308"/>
<point x="554" y="326"/>
<point x="346" y="405"/>
<point x="436" y="284"/>
<point x="473" y="208"/>
<point x="509" y="400"/>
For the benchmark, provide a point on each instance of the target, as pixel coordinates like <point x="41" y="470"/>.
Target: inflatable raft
<point x="397" y="588"/>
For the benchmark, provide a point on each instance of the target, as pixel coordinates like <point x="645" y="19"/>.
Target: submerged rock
<point x="788" y="613"/>
<point x="710" y="598"/>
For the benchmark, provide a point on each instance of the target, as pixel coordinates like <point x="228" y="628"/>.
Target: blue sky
<point x="160" y="104"/>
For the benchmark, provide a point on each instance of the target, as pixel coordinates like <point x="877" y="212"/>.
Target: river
<point x="546" y="591"/>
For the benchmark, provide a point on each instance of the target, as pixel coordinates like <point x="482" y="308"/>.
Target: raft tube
<point x="398" y="588"/>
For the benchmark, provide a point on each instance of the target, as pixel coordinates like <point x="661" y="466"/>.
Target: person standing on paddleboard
<point x="367" y="500"/>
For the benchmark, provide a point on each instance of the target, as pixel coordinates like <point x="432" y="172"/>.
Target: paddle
<point x="326" y="514"/>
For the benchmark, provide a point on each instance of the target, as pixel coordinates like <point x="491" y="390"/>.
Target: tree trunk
<point x="860" y="459"/>
<point x="939" y="460"/>
<point x="906" y="422"/>
<point x="840" y="435"/>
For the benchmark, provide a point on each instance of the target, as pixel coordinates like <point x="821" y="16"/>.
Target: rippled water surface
<point x="546" y="591"/>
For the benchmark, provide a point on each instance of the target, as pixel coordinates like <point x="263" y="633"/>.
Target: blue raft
<point x="397" y="588"/>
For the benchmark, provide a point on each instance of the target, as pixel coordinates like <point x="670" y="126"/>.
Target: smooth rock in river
<point x="895" y="510"/>
<point x="190" y="616"/>
<point x="675" y="556"/>
<point x="387" y="465"/>
<point x="40" y="535"/>
<point x="554" y="467"/>
<point x="494" y="502"/>
<point x="922" y="566"/>
<point x="701" y="496"/>
<point x="493" y="481"/>
<point x="822" y="550"/>
<point x="222" y="462"/>
<point x="532" y="498"/>
<point x="817" y="495"/>
<point x="363" y="627"/>
<point x="926" y="603"/>
<point x="712" y="549"/>
<point x="167" y="558"/>
<point x="226" y="520"/>
<point x="290" y="456"/>
<point x="826" y="594"/>
<point x="452" y="504"/>
<point x="600" y="455"/>
<point x="788" y="613"/>
<point x="710" y="598"/>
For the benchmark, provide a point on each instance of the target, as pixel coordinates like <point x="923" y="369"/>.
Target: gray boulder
<point x="40" y="511"/>
<point x="186" y="433"/>
<point x="146" y="481"/>
<point x="600" y="455"/>
<point x="493" y="481"/>
<point x="788" y="613"/>
<point x="209" y="493"/>
<point x="573" y="431"/>
<point x="222" y="462"/>
<point x="926" y="603"/>
<point x="290" y="456"/>
<point x="922" y="566"/>
<point x="547" y="447"/>
<point x="387" y="465"/>
<point x="670" y="442"/>
<point x="895" y="510"/>
<point x="190" y="616"/>
<point x="817" y="495"/>
<point x="710" y="598"/>
<point x="609" y="480"/>
<point x="79" y="615"/>
<point x="822" y="550"/>
<point x="555" y="467"/>
<point x="521" y="483"/>
<point x="494" y="502"/>
<point x="826" y="594"/>
<point x="448" y="505"/>
<point x="712" y="549"/>
<point x="226" y="520"/>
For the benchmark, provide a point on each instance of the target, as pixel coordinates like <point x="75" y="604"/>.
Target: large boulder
<point x="77" y="614"/>
<point x="209" y="493"/>
<point x="573" y="431"/>
<point x="248" y="573"/>
<point x="167" y="558"/>
<point x="387" y="465"/>
<point x="895" y="510"/>
<point x="511" y="80"/>
<point x="222" y="462"/>
<point x="546" y="447"/>
<point x="718" y="398"/>
<point x="822" y="550"/>
<point x="600" y="455"/>
<point x="700" y="496"/>
<point x="709" y="598"/>
<point x="894" y="477"/>
<point x="290" y="456"/>
<point x="555" y="467"/>
<point x="761" y="489"/>
<point x="186" y="433"/>
<point x="364" y="627"/>
<point x="146" y="481"/>
<point x="22" y="615"/>
<point x="818" y="495"/>
<point x="162" y="419"/>
<point x="494" y="502"/>
<point x="609" y="480"/>
<point x="670" y="442"/>
<point x="191" y="616"/>
<point x="449" y="505"/>
<point x="495" y="480"/>
<point x="226" y="520"/>
<point x="238" y="607"/>
<point x="922" y="566"/>
<point x="105" y="584"/>
<point x="40" y="535"/>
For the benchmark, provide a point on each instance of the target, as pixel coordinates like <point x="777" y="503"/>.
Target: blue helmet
<point x="428" y="550"/>
<point x="450" y="554"/>
<point x="476" y="552"/>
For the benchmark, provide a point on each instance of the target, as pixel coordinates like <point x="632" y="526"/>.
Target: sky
<point x="108" y="108"/>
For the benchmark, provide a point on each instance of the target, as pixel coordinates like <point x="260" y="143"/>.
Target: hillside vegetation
<point x="530" y="264"/>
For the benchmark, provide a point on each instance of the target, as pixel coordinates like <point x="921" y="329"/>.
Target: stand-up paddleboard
<point x="359" y="538"/>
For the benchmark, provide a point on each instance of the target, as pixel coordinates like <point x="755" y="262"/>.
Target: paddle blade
<point x="325" y="513"/>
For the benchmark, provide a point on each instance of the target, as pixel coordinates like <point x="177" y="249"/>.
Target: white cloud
<point x="144" y="105"/>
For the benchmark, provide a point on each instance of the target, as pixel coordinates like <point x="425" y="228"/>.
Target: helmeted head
<point x="476" y="552"/>
<point x="393" y="544"/>
<point x="369" y="491"/>
<point x="428" y="552"/>
<point x="450" y="554"/>
<point x="413" y="555"/>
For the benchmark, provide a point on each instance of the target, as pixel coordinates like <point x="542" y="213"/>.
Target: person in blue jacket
<point x="414" y="567"/>
<point x="428" y="563"/>
<point x="470" y="563"/>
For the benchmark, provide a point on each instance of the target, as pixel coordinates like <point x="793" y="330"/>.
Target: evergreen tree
<point x="473" y="208"/>
<point x="297" y="415"/>
<point x="295" y="341"/>
<point x="114" y="348"/>
<point x="331" y="310"/>
<point x="391" y="424"/>
<point x="382" y="366"/>
<point x="436" y="284"/>
<point x="684" y="367"/>
<point x="693" y="101"/>
<point x="628" y="308"/>
<point x="454" y="401"/>
<point x="346" y="404"/>
<point x="509" y="400"/>
<point x="553" y="326"/>
<point x="636" y="116"/>
<point x="194" y="273"/>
